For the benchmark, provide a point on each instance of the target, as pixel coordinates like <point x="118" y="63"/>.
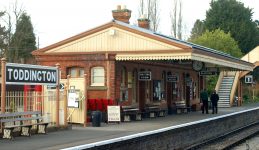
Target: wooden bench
<point x="162" y="112"/>
<point x="131" y="113"/>
<point x="24" y="121"/>
<point x="181" y="107"/>
<point x="153" y="111"/>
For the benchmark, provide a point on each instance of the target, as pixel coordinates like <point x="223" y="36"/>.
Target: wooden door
<point x="142" y="93"/>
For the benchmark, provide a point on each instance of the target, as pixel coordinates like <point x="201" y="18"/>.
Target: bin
<point x="96" y="118"/>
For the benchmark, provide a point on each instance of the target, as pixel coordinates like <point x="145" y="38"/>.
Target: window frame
<point x="77" y="72"/>
<point x="92" y="76"/>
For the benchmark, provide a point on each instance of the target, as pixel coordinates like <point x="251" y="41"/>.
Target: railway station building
<point x="134" y="66"/>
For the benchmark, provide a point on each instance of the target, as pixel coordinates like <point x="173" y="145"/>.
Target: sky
<point x="56" y="20"/>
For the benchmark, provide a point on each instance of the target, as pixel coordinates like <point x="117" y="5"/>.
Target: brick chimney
<point x="143" y="22"/>
<point x="121" y="14"/>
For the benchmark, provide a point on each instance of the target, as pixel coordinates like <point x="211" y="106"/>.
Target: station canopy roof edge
<point x="197" y="53"/>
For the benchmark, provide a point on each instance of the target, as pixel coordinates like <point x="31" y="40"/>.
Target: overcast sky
<point x="56" y="20"/>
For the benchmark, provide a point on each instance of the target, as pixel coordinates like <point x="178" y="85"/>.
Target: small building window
<point x="124" y="86"/>
<point x="97" y="76"/>
<point x="76" y="72"/>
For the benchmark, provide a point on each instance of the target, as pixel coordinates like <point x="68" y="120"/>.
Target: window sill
<point x="99" y="88"/>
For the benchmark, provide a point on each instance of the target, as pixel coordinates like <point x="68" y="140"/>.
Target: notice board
<point x="114" y="113"/>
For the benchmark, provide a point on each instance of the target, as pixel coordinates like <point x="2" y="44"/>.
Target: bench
<point x="24" y="121"/>
<point x="181" y="107"/>
<point x="131" y="113"/>
<point x="162" y="112"/>
<point x="153" y="111"/>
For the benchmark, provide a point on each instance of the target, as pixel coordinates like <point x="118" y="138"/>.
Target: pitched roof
<point x="147" y="33"/>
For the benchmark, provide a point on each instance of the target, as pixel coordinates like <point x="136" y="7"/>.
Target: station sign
<point x="144" y="75"/>
<point x="248" y="79"/>
<point x="52" y="87"/>
<point x="30" y="74"/>
<point x="208" y="73"/>
<point x="172" y="78"/>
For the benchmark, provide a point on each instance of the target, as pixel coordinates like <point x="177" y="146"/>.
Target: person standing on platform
<point x="214" y="98"/>
<point x="204" y="100"/>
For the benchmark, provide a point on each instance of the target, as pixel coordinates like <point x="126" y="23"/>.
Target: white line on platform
<point x="128" y="137"/>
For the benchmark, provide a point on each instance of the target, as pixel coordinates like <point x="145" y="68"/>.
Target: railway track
<point x="228" y="140"/>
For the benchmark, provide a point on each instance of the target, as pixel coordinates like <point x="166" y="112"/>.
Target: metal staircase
<point x="225" y="91"/>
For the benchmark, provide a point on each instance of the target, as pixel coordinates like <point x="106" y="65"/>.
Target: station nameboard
<point x="144" y="75"/>
<point x="30" y="74"/>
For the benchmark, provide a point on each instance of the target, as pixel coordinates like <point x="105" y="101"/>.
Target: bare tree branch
<point x="154" y="15"/>
<point x="180" y="26"/>
<point x="173" y="16"/>
<point x="176" y="20"/>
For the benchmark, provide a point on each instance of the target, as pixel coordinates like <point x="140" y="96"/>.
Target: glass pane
<point x="81" y="72"/>
<point x="73" y="72"/>
<point x="98" y="80"/>
<point x="98" y="72"/>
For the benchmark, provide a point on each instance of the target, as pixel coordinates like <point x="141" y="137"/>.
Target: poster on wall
<point x="113" y="113"/>
<point x="73" y="98"/>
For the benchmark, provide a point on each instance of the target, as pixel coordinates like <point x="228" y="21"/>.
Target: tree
<point x="23" y="41"/>
<point x="154" y="15"/>
<point x="176" y="20"/>
<point x="3" y="39"/>
<point x="10" y="19"/>
<point x="151" y="9"/>
<point x="219" y="40"/>
<point x="197" y="30"/>
<point x="231" y="16"/>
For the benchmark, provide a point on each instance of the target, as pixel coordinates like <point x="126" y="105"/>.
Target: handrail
<point x="219" y="80"/>
<point x="233" y="88"/>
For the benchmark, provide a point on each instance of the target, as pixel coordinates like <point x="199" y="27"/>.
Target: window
<point x="97" y="76"/>
<point x="124" y="87"/>
<point x="157" y="94"/>
<point x="76" y="72"/>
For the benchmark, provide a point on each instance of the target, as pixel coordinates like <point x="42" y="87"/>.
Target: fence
<point x="20" y="101"/>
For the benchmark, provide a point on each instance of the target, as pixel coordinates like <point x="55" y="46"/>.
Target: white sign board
<point x="73" y="100"/>
<point x="248" y="79"/>
<point x="114" y="113"/>
<point x="30" y="74"/>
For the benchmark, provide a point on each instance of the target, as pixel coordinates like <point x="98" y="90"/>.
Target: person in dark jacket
<point x="204" y="100"/>
<point x="214" y="98"/>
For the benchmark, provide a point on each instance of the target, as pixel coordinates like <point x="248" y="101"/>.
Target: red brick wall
<point x="113" y="71"/>
<point x="156" y="70"/>
<point x="86" y="62"/>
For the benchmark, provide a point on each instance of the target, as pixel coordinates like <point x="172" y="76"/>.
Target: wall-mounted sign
<point x="73" y="98"/>
<point x="30" y="74"/>
<point x="172" y="78"/>
<point x="208" y="73"/>
<point x="248" y="79"/>
<point x="144" y="75"/>
<point x="53" y="87"/>
<point x="113" y="113"/>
